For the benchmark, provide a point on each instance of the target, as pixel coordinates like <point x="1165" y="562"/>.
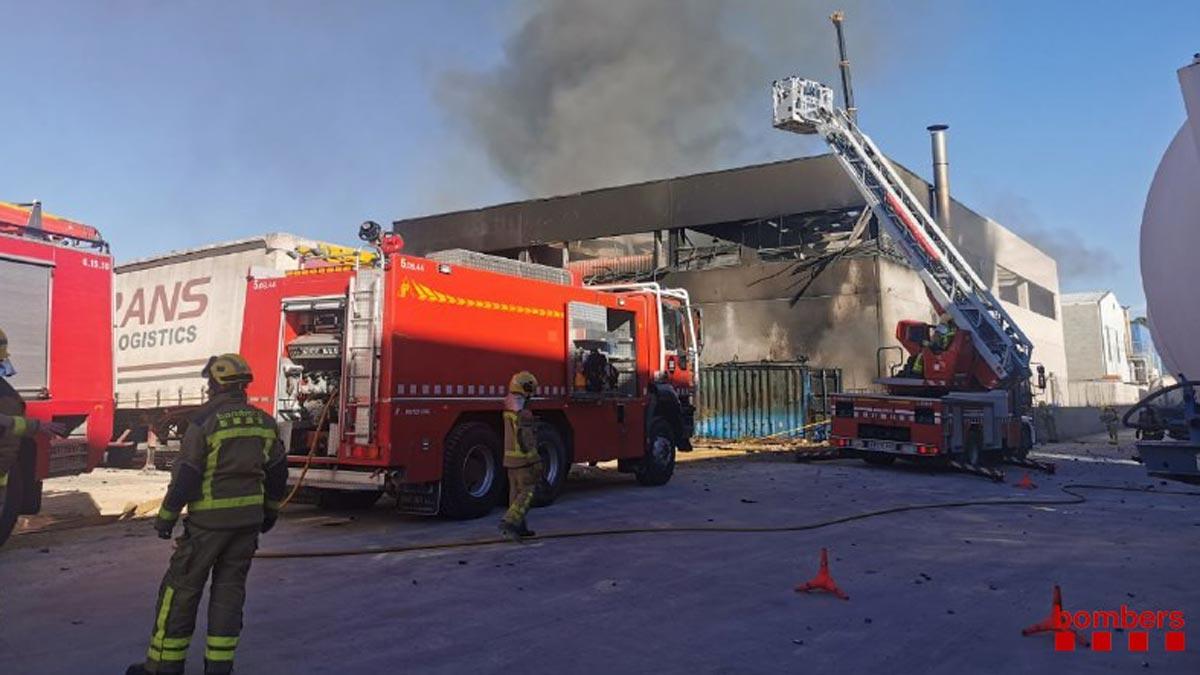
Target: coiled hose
<point x="1071" y="489"/>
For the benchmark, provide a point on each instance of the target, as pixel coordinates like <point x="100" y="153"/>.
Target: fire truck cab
<point x="391" y="378"/>
<point x="56" y="309"/>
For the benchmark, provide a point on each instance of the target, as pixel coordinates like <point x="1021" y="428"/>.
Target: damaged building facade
<point x="784" y="259"/>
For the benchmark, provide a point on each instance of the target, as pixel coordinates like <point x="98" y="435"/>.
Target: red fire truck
<point x="390" y="378"/>
<point x="56" y="308"/>
<point x="962" y="395"/>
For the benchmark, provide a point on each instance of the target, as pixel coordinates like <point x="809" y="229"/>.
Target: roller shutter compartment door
<point x="25" y="318"/>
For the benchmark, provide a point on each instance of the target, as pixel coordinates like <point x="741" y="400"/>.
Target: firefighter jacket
<point x="941" y="341"/>
<point x="12" y="405"/>
<point x="520" y="433"/>
<point x="232" y="468"/>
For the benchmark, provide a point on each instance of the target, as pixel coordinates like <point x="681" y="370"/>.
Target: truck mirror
<point x="698" y="323"/>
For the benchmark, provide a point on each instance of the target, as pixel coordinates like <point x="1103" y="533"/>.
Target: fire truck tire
<point x="347" y="500"/>
<point x="14" y="497"/>
<point x="473" y="478"/>
<point x="879" y="458"/>
<point x="556" y="464"/>
<point x="656" y="467"/>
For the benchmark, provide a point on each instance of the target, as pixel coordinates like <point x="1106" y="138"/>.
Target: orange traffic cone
<point x="1053" y="623"/>
<point x="823" y="581"/>
<point x="1026" y="483"/>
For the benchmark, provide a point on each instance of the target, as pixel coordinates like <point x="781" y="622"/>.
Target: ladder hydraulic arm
<point x="806" y="107"/>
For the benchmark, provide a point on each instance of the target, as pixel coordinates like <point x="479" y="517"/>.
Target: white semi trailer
<point x="173" y="311"/>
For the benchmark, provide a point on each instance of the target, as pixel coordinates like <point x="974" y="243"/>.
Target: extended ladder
<point x="360" y="361"/>
<point x="806" y="107"/>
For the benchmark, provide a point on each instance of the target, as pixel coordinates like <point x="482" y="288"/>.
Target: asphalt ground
<point x="933" y="591"/>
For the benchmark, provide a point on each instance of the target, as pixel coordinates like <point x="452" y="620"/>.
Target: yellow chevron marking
<point x="424" y="293"/>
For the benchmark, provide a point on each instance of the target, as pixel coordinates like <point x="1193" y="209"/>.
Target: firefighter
<point x="231" y="474"/>
<point x="14" y="425"/>
<point x="1109" y="417"/>
<point x="943" y="335"/>
<point x="521" y="457"/>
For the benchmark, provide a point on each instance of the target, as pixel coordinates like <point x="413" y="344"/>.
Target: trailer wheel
<point x="14" y="498"/>
<point x="556" y="464"/>
<point x="658" y="464"/>
<point x="472" y="471"/>
<point x="347" y="500"/>
<point x="879" y="458"/>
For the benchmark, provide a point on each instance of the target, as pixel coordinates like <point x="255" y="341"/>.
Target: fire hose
<point x="312" y="448"/>
<point x="1072" y="489"/>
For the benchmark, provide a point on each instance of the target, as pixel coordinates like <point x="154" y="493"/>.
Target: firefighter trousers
<point x="522" y="482"/>
<point x="199" y="553"/>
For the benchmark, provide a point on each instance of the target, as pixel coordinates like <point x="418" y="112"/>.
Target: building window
<point x="1009" y="285"/>
<point x="1041" y="301"/>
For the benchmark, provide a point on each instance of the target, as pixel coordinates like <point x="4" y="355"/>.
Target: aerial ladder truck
<point x="964" y="396"/>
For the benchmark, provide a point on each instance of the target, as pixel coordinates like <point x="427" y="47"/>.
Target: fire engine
<point x="391" y="377"/>
<point x="970" y="395"/>
<point x="57" y="311"/>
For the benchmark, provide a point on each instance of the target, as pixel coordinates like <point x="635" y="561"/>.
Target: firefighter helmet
<point x="3" y="346"/>
<point x="523" y="383"/>
<point x="227" y="369"/>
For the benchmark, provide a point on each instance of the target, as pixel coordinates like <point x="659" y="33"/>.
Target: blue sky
<point x="176" y="124"/>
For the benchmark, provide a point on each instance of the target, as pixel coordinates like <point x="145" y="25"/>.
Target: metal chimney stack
<point x="940" y="199"/>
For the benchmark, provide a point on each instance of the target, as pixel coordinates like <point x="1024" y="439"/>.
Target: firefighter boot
<point x="511" y="531"/>
<point x="524" y="531"/>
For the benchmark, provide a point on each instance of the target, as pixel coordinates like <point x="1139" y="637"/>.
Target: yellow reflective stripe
<point x="167" y="655"/>
<point x="19" y="426"/>
<point x="226" y="503"/>
<point x="160" y="622"/>
<point x="4" y="479"/>
<point x="166" y="514"/>
<point x="215" y="441"/>
<point x="218" y="654"/>
<point x="175" y="643"/>
<point x="222" y="642"/>
<point x="268" y="443"/>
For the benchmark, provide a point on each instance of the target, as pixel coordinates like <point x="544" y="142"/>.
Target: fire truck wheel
<point x="348" y="500"/>
<point x="879" y="458"/>
<point x="555" y="463"/>
<point x="472" y="472"/>
<point x="658" y="464"/>
<point x="14" y="495"/>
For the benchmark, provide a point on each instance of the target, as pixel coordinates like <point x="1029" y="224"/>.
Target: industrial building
<point x="1099" y="348"/>
<point x="1147" y="365"/>
<point x="781" y="257"/>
